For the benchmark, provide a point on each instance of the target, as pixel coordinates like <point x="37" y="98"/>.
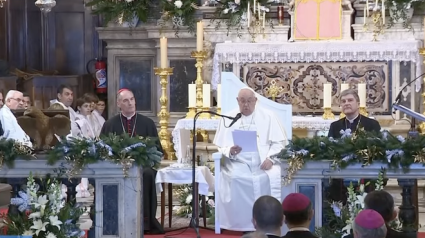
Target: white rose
<point x="238" y="2"/>
<point x="225" y="11"/>
<point x="189" y="199"/>
<point x="178" y="4"/>
<point x="128" y="0"/>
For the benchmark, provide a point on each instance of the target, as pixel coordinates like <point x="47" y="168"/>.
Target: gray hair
<point x="360" y="232"/>
<point x="350" y="92"/>
<point x="11" y="94"/>
<point x="255" y="234"/>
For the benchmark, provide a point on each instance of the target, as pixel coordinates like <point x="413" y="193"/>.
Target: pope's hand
<point x="266" y="165"/>
<point x="234" y="150"/>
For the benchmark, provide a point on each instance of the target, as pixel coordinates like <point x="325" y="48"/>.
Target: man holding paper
<point x="249" y="170"/>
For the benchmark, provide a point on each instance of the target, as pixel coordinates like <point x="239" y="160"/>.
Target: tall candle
<point x="362" y="94"/>
<point x="163" y="47"/>
<point x="192" y="95"/>
<point x="259" y="10"/>
<point x="264" y="19"/>
<point x="383" y="11"/>
<point x="248" y="12"/>
<point x="367" y="8"/>
<point x="364" y="16"/>
<point x="206" y="97"/>
<point x="219" y="95"/>
<point x="327" y="95"/>
<point x="424" y="31"/>
<point x="255" y="4"/>
<point x="344" y="86"/>
<point x="199" y="36"/>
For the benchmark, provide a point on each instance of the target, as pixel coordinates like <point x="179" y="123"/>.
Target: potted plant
<point x="180" y="13"/>
<point x="401" y="11"/>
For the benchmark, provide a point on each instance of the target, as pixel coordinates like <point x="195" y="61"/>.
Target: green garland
<point x="122" y="150"/>
<point x="180" y="13"/>
<point x="362" y="147"/>
<point x="10" y="150"/>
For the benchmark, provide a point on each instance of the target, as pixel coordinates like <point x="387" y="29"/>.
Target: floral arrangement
<point x="184" y="195"/>
<point x="43" y="214"/>
<point x="399" y="10"/>
<point x="121" y="10"/>
<point x="339" y="217"/>
<point x="361" y="147"/>
<point x="180" y="13"/>
<point x="122" y="150"/>
<point x="11" y="149"/>
<point x="234" y="12"/>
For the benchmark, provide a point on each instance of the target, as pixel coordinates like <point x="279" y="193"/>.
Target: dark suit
<point x="337" y="190"/>
<point x="1" y="129"/>
<point x="299" y="234"/>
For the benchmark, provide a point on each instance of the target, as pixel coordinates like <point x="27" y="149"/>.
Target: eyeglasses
<point x="249" y="102"/>
<point x="17" y="99"/>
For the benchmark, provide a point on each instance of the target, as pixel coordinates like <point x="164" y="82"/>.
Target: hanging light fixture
<point x="2" y="3"/>
<point x="45" y="5"/>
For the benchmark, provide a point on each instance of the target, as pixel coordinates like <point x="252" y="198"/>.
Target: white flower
<point x="360" y="199"/>
<point x="225" y="11"/>
<point x="128" y="1"/>
<point x="238" y="2"/>
<point x="39" y="226"/>
<point x="51" y="235"/>
<point x="41" y="202"/>
<point x="211" y="203"/>
<point x="34" y="215"/>
<point x="189" y="199"/>
<point x="54" y="221"/>
<point x="178" y="4"/>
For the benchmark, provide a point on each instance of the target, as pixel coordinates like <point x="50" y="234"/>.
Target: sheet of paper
<point x="247" y="140"/>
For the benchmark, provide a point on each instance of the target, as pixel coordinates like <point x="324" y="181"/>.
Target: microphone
<point x="397" y="99"/>
<point x="237" y="117"/>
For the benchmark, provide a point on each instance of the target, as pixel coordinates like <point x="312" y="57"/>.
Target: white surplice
<point x="96" y="121"/>
<point x="11" y="127"/>
<point x="242" y="181"/>
<point x="72" y="115"/>
<point x="85" y="126"/>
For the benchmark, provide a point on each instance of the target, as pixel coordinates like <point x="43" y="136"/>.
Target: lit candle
<point x="362" y="94"/>
<point x="206" y="97"/>
<point x="219" y="95"/>
<point x="344" y="86"/>
<point x="327" y="95"/>
<point x="199" y="36"/>
<point x="192" y="95"/>
<point x="248" y="12"/>
<point x="163" y="48"/>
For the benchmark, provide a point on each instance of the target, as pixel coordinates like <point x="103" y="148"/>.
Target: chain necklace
<point x="252" y="119"/>
<point x="134" y="126"/>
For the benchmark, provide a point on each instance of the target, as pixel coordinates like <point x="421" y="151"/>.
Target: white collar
<point x="352" y="120"/>
<point x="299" y="229"/>
<point x="129" y="118"/>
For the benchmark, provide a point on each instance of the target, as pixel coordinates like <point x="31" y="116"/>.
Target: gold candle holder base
<point x="164" y="115"/>
<point x="327" y="114"/>
<point x="191" y="113"/>
<point x="199" y="56"/>
<point x="205" y="115"/>
<point x="341" y="115"/>
<point x="218" y="112"/>
<point x="363" y="111"/>
<point x="422" y="124"/>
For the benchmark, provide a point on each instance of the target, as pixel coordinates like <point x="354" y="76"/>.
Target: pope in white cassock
<point x="246" y="176"/>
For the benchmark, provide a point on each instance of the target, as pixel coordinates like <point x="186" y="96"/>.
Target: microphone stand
<point x="194" y="220"/>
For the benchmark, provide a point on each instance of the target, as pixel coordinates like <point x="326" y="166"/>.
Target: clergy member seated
<point x="134" y="124"/>
<point x="246" y="176"/>
<point x="369" y="224"/>
<point x="10" y="126"/>
<point x="267" y="216"/>
<point x="65" y="98"/>
<point x="353" y="120"/>
<point x="298" y="212"/>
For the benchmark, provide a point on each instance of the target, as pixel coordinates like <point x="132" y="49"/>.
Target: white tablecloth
<point x="203" y="177"/>
<point x="298" y="122"/>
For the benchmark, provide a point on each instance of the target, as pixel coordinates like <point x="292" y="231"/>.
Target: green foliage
<point x="186" y="13"/>
<point x="10" y="150"/>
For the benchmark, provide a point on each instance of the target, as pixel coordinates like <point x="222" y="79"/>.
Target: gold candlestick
<point x="378" y="24"/>
<point x="191" y="113"/>
<point x="341" y="115"/>
<point x="199" y="56"/>
<point x="205" y="115"/>
<point x="422" y="125"/>
<point x="218" y="112"/>
<point x="164" y="115"/>
<point x="327" y="114"/>
<point x="363" y="111"/>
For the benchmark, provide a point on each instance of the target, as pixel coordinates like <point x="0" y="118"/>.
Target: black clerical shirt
<point x="360" y="121"/>
<point x="1" y="129"/>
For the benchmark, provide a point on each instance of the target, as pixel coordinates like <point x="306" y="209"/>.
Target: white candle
<point x="259" y="11"/>
<point x="219" y="95"/>
<point x="199" y="36"/>
<point x="206" y="97"/>
<point x="163" y="48"/>
<point x="362" y="94"/>
<point x="255" y="3"/>
<point x="344" y="86"/>
<point x="248" y="12"/>
<point x="327" y="95"/>
<point x="264" y="19"/>
<point x="376" y="4"/>
<point x="367" y="7"/>
<point x="192" y="95"/>
<point x="364" y="16"/>
<point x="383" y="11"/>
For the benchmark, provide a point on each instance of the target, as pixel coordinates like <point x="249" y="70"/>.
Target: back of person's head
<point x="267" y="214"/>
<point x="255" y="234"/>
<point x="297" y="209"/>
<point x="382" y="202"/>
<point x="369" y="224"/>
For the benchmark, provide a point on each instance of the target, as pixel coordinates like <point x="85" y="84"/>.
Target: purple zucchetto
<point x="295" y="202"/>
<point x="369" y="219"/>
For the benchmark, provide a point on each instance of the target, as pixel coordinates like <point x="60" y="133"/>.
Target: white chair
<point x="231" y="85"/>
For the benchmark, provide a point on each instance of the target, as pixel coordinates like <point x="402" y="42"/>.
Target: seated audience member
<point x="267" y="216"/>
<point x="369" y="224"/>
<point x="27" y="101"/>
<point x="383" y="203"/>
<point x="298" y="212"/>
<point x="95" y="118"/>
<point x="82" y="119"/>
<point x="255" y="234"/>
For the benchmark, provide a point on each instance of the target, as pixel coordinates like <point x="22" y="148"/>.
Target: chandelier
<point x="2" y="3"/>
<point x="45" y="5"/>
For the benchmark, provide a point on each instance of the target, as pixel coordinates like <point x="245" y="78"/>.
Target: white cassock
<point x="72" y="114"/>
<point x="11" y="128"/>
<point x="96" y="121"/>
<point x="85" y="127"/>
<point x="242" y="181"/>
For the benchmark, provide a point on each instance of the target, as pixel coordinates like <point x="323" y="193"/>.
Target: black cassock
<point x="299" y="234"/>
<point x="1" y="129"/>
<point x="139" y="125"/>
<point x="337" y="190"/>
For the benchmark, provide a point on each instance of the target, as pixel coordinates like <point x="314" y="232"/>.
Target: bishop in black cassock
<point x="350" y="103"/>
<point x="139" y="125"/>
